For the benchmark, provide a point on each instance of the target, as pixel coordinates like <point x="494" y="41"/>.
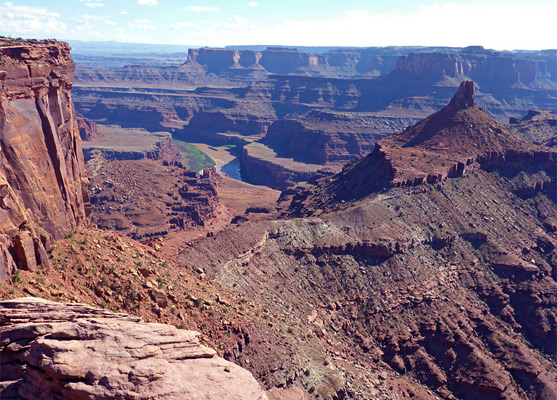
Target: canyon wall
<point x="43" y="185"/>
<point x="485" y="67"/>
<point x="88" y="130"/>
<point x="272" y="96"/>
<point x="337" y="62"/>
<point x="327" y="137"/>
<point x="261" y="166"/>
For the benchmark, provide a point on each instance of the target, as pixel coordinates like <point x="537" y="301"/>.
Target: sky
<point x="501" y="25"/>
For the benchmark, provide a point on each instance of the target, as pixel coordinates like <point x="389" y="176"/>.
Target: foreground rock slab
<point x="52" y="350"/>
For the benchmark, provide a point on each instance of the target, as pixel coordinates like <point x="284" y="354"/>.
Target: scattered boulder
<point x="159" y="297"/>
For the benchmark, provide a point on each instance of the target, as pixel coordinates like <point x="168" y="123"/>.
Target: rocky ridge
<point x="75" y="351"/>
<point x="453" y="142"/>
<point x="43" y="185"/>
<point x="412" y="290"/>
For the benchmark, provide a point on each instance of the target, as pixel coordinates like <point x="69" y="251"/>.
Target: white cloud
<point x="122" y="36"/>
<point x="144" y="24"/>
<point x="202" y="9"/>
<point x="93" y="3"/>
<point x="124" y="13"/>
<point x="86" y="20"/>
<point x="237" y="22"/>
<point x="147" y="2"/>
<point x="253" y="4"/>
<point x="181" y="25"/>
<point x="31" y="22"/>
<point x="518" y="25"/>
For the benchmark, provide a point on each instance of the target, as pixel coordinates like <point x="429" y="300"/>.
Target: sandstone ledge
<point x="261" y="166"/>
<point x="52" y="350"/>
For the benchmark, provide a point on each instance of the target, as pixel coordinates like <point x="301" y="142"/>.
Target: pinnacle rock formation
<point x="52" y="350"/>
<point x="464" y="98"/>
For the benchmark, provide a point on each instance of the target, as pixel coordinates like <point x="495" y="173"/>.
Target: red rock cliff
<point x="43" y="185"/>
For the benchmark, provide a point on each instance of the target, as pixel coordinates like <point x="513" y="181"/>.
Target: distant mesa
<point x="476" y="50"/>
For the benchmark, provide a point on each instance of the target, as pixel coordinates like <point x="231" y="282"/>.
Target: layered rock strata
<point x="88" y="130"/>
<point x="146" y="199"/>
<point x="326" y="137"/>
<point x="74" y="351"/>
<point x="262" y="166"/>
<point x="43" y="185"/>
<point x="537" y="126"/>
<point x="116" y="143"/>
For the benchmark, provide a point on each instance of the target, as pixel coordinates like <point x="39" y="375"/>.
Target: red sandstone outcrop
<point x="43" y="185"/>
<point x="145" y="198"/>
<point x="88" y="130"/>
<point x="74" y="351"/>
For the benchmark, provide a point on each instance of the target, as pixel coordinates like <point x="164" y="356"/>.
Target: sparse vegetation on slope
<point x="193" y="158"/>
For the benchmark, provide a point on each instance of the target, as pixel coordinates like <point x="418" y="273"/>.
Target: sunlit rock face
<point x="43" y="185"/>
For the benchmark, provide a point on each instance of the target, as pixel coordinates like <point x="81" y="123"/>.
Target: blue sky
<point x="494" y="24"/>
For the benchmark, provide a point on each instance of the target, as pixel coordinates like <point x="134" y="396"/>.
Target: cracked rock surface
<point x="52" y="350"/>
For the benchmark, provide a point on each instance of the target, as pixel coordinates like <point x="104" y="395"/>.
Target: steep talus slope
<point x="74" y="351"/>
<point x="43" y="186"/>
<point x="537" y="126"/>
<point x="450" y="284"/>
<point x="146" y="199"/>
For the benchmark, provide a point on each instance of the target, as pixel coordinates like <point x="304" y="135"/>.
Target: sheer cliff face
<point x="491" y="70"/>
<point x="43" y="185"/>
